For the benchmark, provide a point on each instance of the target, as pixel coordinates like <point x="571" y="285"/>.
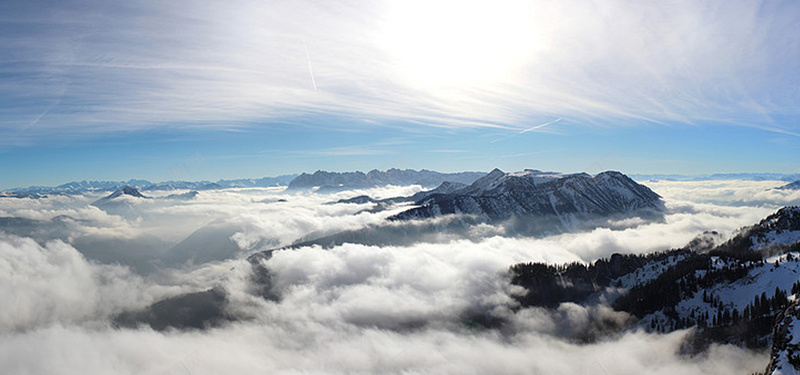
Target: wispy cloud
<point x="146" y="64"/>
<point x="348" y="151"/>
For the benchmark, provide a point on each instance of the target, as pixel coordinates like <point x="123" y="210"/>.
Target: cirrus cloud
<point x="97" y="67"/>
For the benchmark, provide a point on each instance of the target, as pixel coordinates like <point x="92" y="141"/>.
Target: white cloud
<point x="332" y="319"/>
<point x="729" y="193"/>
<point x="147" y="64"/>
<point x="350" y="309"/>
<point x="247" y="348"/>
<point x="268" y="218"/>
<point x="44" y="285"/>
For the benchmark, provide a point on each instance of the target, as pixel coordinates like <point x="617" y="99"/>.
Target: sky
<point x="203" y="90"/>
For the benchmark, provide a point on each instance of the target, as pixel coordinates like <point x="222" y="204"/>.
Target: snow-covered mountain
<point x="74" y="187"/>
<point x="221" y="184"/>
<point x="331" y="181"/>
<point x="530" y="203"/>
<point x="78" y="187"/>
<point x="731" y="292"/>
<point x="120" y="198"/>
<point x="571" y="199"/>
<point x="175" y="185"/>
<point x="776" y="231"/>
<point x="20" y="195"/>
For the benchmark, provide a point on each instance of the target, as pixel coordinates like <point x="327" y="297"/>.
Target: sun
<point x="460" y="43"/>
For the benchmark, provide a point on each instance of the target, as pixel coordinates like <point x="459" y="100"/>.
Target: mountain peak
<point x="112" y="200"/>
<point x="126" y="190"/>
<point x="496" y="172"/>
<point x="612" y="173"/>
<point x="487" y="182"/>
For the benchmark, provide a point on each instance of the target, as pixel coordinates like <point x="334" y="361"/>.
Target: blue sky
<point x="209" y="90"/>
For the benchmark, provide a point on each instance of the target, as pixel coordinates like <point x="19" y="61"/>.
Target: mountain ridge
<point x="503" y="199"/>
<point x="571" y="198"/>
<point x="77" y="187"/>
<point x="332" y="181"/>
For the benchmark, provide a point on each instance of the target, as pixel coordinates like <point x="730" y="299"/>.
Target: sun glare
<point x="460" y="43"/>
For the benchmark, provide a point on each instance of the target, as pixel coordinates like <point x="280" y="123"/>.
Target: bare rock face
<point x="785" y="357"/>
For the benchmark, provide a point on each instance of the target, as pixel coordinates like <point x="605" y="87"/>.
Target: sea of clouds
<point x="348" y="309"/>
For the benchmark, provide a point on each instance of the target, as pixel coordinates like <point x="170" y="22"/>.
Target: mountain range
<point x="320" y="181"/>
<point x="529" y="202"/>
<point x="571" y="199"/>
<point x="332" y="181"/>
<point x="21" y="194"/>
<point x="77" y="187"/>
<point x="335" y="181"/>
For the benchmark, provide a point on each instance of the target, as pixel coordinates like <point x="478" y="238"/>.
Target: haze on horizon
<point x="112" y="91"/>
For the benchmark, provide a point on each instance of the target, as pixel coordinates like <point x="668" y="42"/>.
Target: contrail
<point x="541" y="126"/>
<point x="40" y="117"/>
<point x="308" y="58"/>
<point x="529" y="129"/>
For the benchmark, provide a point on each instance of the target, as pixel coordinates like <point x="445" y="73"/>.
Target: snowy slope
<point x="779" y="229"/>
<point x="761" y="278"/>
<point x="648" y="272"/>
<point x="729" y="292"/>
<point x="570" y="199"/>
<point x="785" y="356"/>
<point x="775" y="238"/>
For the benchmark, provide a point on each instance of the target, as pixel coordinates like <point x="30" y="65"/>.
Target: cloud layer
<point x="54" y="284"/>
<point x="272" y="349"/>
<point x="731" y="193"/>
<point x="351" y="309"/>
